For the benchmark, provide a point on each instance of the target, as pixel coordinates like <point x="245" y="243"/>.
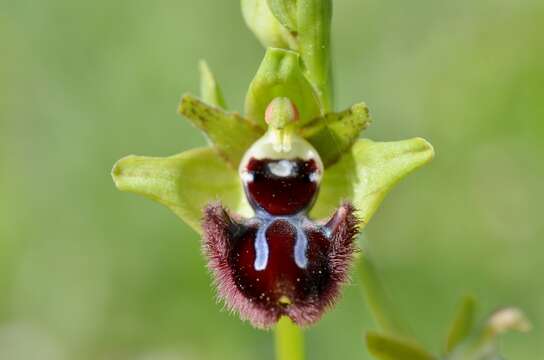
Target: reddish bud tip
<point x="280" y="112"/>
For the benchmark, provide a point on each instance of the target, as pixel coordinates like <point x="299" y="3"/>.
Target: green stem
<point x="376" y="298"/>
<point x="314" y="27"/>
<point x="314" y="21"/>
<point x="289" y="340"/>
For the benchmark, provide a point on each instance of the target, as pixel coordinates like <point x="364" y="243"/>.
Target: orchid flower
<point x="280" y="192"/>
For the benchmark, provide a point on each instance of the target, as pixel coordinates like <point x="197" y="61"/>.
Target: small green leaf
<point x="313" y="25"/>
<point x="385" y="347"/>
<point x="462" y="324"/>
<point x="280" y="75"/>
<point x="286" y="12"/>
<point x="333" y="134"/>
<point x="383" y="312"/>
<point x="231" y="134"/>
<point x="366" y="173"/>
<point x="210" y="91"/>
<point x="265" y="26"/>
<point x="184" y="183"/>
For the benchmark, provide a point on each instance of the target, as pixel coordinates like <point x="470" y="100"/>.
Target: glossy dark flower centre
<point x="269" y="266"/>
<point x="281" y="186"/>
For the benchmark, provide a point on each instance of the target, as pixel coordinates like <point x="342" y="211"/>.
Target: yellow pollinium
<point x="284" y="300"/>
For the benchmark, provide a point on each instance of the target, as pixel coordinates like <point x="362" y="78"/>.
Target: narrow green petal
<point x="210" y="91"/>
<point x="280" y="75"/>
<point x="385" y="347"/>
<point x="286" y="12"/>
<point x="384" y="313"/>
<point x="313" y="25"/>
<point x="265" y="26"/>
<point x="230" y="134"/>
<point x="366" y="173"/>
<point x="462" y="324"/>
<point x="184" y="183"/>
<point x="333" y="134"/>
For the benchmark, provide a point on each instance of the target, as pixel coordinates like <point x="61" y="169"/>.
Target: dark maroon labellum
<point x="281" y="187"/>
<point x="282" y="286"/>
<point x="282" y="281"/>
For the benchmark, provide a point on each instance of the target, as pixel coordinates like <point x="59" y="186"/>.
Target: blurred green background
<point x="87" y="272"/>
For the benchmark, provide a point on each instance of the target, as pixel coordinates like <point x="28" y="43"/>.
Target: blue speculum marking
<point x="301" y="245"/>
<point x="261" y="242"/>
<point x="261" y="248"/>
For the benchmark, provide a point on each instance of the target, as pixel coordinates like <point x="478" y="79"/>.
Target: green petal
<point x="230" y="134"/>
<point x="184" y="183"/>
<point x="366" y="173"/>
<point x="210" y="91"/>
<point x="280" y="75"/>
<point x="334" y="133"/>
<point x="286" y="12"/>
<point x="462" y="324"/>
<point x="313" y="25"/>
<point x="385" y="347"/>
<point x="265" y="26"/>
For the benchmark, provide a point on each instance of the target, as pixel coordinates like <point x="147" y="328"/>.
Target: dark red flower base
<point x="280" y="193"/>
<point x="296" y="269"/>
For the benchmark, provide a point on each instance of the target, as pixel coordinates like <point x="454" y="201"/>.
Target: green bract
<point x="209" y="88"/>
<point x="280" y="75"/>
<point x="265" y="26"/>
<point x="385" y="347"/>
<point x="299" y="25"/>
<point x="462" y="324"/>
<point x="286" y="13"/>
<point x="313" y="29"/>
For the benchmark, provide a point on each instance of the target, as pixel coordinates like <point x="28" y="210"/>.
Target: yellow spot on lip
<point x="284" y="300"/>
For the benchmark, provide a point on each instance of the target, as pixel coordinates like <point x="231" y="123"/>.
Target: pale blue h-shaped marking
<point x="261" y="248"/>
<point x="261" y="244"/>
